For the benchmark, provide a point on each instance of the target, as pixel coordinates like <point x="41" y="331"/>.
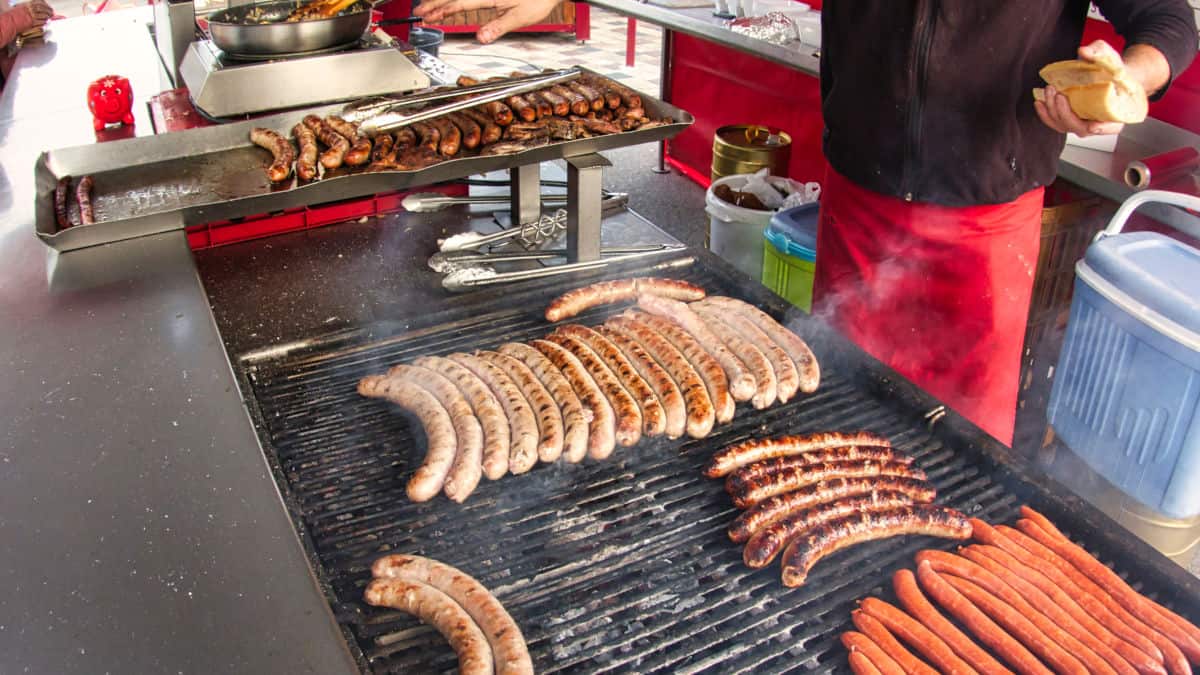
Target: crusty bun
<point x="1099" y="90"/>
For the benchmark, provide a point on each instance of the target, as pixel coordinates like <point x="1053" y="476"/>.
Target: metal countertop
<point x="140" y="529"/>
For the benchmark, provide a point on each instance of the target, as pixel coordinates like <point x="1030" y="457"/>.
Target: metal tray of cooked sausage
<point x="144" y="186"/>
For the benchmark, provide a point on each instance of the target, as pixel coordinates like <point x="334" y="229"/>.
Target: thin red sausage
<point x="913" y="600"/>
<point x="861" y="665"/>
<point x="858" y="642"/>
<point x="880" y="635"/>
<point x="916" y="635"/>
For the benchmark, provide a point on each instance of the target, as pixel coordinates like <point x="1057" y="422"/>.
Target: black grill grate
<point x="620" y="566"/>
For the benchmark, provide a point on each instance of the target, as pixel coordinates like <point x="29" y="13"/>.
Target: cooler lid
<point x="1153" y="270"/>
<point x="794" y="231"/>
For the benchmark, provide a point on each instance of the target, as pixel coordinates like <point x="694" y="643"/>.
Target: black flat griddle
<point x="621" y="566"/>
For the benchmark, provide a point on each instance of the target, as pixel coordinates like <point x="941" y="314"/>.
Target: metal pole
<point x="526" y="193"/>
<point x="664" y="92"/>
<point x="585" y="176"/>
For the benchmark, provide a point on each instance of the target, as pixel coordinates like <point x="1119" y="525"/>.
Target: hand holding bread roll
<point x="1099" y="89"/>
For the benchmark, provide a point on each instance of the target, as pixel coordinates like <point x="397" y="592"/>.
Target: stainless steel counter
<point x="140" y="528"/>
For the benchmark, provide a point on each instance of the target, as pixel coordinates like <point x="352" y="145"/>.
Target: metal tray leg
<point x="526" y="186"/>
<point x="584" y="182"/>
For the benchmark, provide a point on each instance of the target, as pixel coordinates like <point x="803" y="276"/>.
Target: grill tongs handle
<point x="393" y="119"/>
<point x="360" y="110"/>
<point x="466" y="279"/>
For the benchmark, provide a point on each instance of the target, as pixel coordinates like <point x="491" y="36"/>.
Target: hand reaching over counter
<point x="513" y="14"/>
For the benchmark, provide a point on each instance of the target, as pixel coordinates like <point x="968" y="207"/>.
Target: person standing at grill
<point x="937" y="161"/>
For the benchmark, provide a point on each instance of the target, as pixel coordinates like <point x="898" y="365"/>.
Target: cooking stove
<point x="224" y="85"/>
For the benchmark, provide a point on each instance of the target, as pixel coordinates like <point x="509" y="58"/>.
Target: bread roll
<point x="1098" y="90"/>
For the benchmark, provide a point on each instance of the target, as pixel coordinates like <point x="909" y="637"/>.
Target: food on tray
<point x="581" y="299"/>
<point x="336" y="143"/>
<point x="581" y="391"/>
<point x="787" y="478"/>
<point x="1028" y="597"/>
<point x="62" y="192"/>
<point x="806" y="362"/>
<point x="306" y="160"/>
<point x="281" y="150"/>
<point x="1098" y="90"/>
<point x="757" y="449"/>
<point x="83" y="195"/>
<point x="360" y="146"/>
<point x="509" y="651"/>
<point x="437" y="609"/>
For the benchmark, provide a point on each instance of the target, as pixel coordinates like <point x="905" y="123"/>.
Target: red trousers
<point x="940" y="294"/>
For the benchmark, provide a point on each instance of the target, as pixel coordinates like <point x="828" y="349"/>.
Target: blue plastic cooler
<point x="1128" y="383"/>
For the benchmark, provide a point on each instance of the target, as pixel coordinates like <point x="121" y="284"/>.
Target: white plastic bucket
<point x="736" y="233"/>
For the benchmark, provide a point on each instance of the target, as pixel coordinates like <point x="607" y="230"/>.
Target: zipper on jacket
<point x="922" y="41"/>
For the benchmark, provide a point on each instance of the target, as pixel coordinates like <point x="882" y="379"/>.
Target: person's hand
<point x="513" y="14"/>
<point x="39" y="12"/>
<point x="1056" y="111"/>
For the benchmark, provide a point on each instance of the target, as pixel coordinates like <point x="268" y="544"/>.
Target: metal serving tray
<point x="154" y="184"/>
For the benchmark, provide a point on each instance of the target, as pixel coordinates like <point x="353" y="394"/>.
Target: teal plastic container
<point x="790" y="254"/>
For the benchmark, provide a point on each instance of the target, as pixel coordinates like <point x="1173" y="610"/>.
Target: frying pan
<point x="233" y="35"/>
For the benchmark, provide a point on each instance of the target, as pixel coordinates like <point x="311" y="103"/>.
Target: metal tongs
<point x="388" y="117"/>
<point x="423" y="202"/>
<point x="467" y="278"/>
<point x="532" y="234"/>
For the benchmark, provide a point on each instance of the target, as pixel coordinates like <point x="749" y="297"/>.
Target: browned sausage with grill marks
<point x="759" y="366"/>
<point x="653" y="416"/>
<point x="384" y="148"/>
<point x="437" y="609"/>
<point x="522" y="426"/>
<point x="465" y="472"/>
<point x="758" y="449"/>
<point x="62" y="192"/>
<point x="757" y="489"/>
<point x="439" y="431"/>
<point x="740" y="479"/>
<point x="336" y="144"/>
<point x="786" y="376"/>
<point x="502" y="632"/>
<point x="628" y="414"/>
<point x="806" y="550"/>
<point x="281" y="151"/>
<point x="360" y="146"/>
<point x="916" y="636"/>
<point x="762" y="548"/>
<point x="575" y="418"/>
<point x="449" y="137"/>
<point x="306" y="159"/>
<point x="772" y="509"/>
<point x="701" y="414"/>
<point x="522" y="108"/>
<point x="469" y="130"/>
<point x="802" y="356"/>
<point x="405" y="138"/>
<point x="583" y="298"/>
<point x="486" y="407"/>
<point x="428" y="136"/>
<point x="83" y="195"/>
<point x="549" y="419"/>
<point x="594" y="98"/>
<point x="558" y="105"/>
<point x="710" y="370"/>
<point x="579" y="104"/>
<point x="602" y="425"/>
<point x="741" y="383"/>
<point x="490" y="131"/>
<point x="658" y="379"/>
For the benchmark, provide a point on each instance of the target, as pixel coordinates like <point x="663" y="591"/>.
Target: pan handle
<point x="393" y="22"/>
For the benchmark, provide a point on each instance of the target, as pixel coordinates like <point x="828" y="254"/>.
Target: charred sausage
<point x="360" y="146"/>
<point x="579" y="105"/>
<point x="741" y="383"/>
<point x="522" y="108"/>
<point x="594" y="98"/>
<point x="437" y="609"/>
<point x="492" y="419"/>
<point x="83" y="195"/>
<point x="559" y="106"/>
<point x="428" y="136"/>
<point x="449" y="137"/>
<point x="306" y="160"/>
<point x="759" y="488"/>
<point x="580" y="299"/>
<point x="758" y="449"/>
<point x="281" y="151"/>
<point x="490" y="132"/>
<point x="575" y="421"/>
<point x="61" y="193"/>
<point x="653" y="415"/>
<point x="336" y="144"/>
<point x="658" y="379"/>
<point x="806" y="550"/>
<point x="765" y="544"/>
<point x="743" y="477"/>
<point x="468" y="129"/>
<point x="439" y="431"/>
<point x="465" y="471"/>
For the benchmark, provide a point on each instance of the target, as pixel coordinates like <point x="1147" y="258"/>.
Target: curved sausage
<point x="1031" y="581"/>
<point x="653" y="416"/>
<point x="61" y="193"/>
<point x="757" y="489"/>
<point x="491" y="416"/>
<point x="1118" y="621"/>
<point x="437" y="609"/>
<point x="502" y="632"/>
<point x="306" y="160"/>
<point x="758" y="449"/>
<point x="772" y="509"/>
<point x="468" y="128"/>
<point x="1034" y="605"/>
<point x="490" y="132"/>
<point x="522" y="427"/>
<point x="465" y="472"/>
<point x="756" y="472"/>
<point x="1173" y="657"/>
<point x="384" y="149"/>
<point x="880" y="635"/>
<point x="281" y="152"/>
<point x="602" y="426"/>
<point x="759" y="367"/>
<point x="577" y="300"/>
<point x="916" y="636"/>
<point x="549" y="419"/>
<point x="439" y="431"/>
<point x="428" y="136"/>
<point x="405" y="138"/>
<point x="628" y="415"/>
<point x="575" y="418"/>
<point x="653" y="375"/>
<point x="715" y="380"/>
<point x="449" y="137"/>
<point x="360" y="146"/>
<point x="742" y="385"/>
<point x="808" y="549"/>
<point x="337" y="144"/>
<point x="83" y="195"/>
<point x="914" y="601"/>
<point x="701" y="414"/>
<point x="1182" y="632"/>
<point x="979" y="624"/>
<point x="802" y="356"/>
<point x="786" y="376"/>
<point x="766" y="543"/>
<point x="857" y="642"/>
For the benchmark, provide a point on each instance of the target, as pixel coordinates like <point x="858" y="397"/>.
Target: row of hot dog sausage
<point x="83" y="196"/>
<point x="672" y="368"/>
<point x="812" y="495"/>
<point x="1030" y="601"/>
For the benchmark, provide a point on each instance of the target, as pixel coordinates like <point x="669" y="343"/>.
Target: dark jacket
<point x="930" y="100"/>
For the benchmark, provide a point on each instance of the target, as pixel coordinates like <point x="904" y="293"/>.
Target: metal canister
<point x="746" y="148"/>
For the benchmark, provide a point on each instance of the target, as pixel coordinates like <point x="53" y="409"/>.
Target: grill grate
<point x="619" y="566"/>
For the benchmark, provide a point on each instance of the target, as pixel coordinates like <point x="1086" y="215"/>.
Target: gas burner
<point x="258" y="58"/>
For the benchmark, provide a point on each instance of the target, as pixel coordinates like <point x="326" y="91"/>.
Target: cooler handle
<point x="1130" y="205"/>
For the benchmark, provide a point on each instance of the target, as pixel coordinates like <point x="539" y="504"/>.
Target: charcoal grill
<point x="620" y="566"/>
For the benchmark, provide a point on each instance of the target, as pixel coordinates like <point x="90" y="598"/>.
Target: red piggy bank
<point x="110" y="99"/>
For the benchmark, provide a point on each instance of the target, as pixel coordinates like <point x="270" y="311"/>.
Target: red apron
<point x="940" y="294"/>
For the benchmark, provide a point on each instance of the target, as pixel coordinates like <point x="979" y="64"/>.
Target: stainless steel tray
<point x="158" y="183"/>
